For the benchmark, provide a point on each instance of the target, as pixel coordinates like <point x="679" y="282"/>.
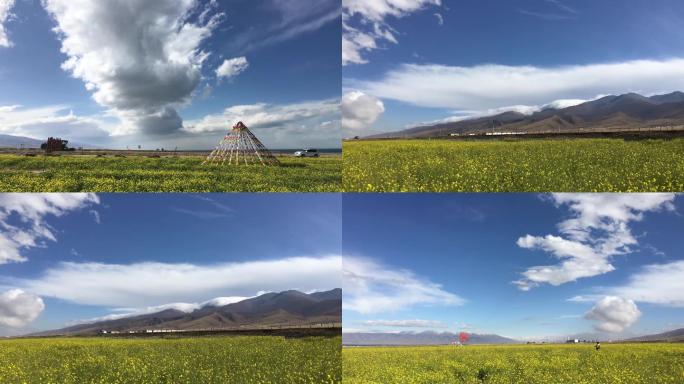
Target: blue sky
<point x="90" y="256"/>
<point x="182" y="83"/>
<point x="430" y="60"/>
<point x="460" y="262"/>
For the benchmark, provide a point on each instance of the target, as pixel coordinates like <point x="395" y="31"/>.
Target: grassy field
<point x="514" y="165"/>
<point x="242" y="359"/>
<point x="557" y="364"/>
<point x="167" y="174"/>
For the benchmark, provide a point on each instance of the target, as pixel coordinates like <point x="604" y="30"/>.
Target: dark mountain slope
<point x="670" y="336"/>
<point x="610" y="112"/>
<point x="283" y="308"/>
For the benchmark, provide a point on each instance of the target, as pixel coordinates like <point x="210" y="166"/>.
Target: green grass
<point x="166" y="174"/>
<point x="515" y="165"/>
<point x="244" y="359"/>
<point x="556" y="364"/>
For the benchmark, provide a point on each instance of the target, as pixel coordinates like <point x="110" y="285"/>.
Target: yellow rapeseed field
<point x="243" y="359"/>
<point x="165" y="174"/>
<point x="515" y="165"/>
<point x="528" y="364"/>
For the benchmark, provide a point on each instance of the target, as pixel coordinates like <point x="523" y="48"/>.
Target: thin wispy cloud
<point x="369" y="287"/>
<point x="203" y="214"/>
<point x="96" y="215"/>
<point x="217" y="210"/>
<point x="547" y="16"/>
<point x="440" y="18"/>
<point x="365" y="25"/>
<point x="23" y="220"/>
<point x="558" y="11"/>
<point x="293" y="19"/>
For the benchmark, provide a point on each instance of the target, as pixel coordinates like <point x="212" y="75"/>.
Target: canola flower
<point x="166" y="174"/>
<point x="239" y="359"/>
<point x="512" y="364"/>
<point x="514" y="165"/>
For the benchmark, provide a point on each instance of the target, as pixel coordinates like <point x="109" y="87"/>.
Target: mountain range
<point x="676" y="335"/>
<point x="419" y="338"/>
<point x="11" y="141"/>
<point x="446" y="338"/>
<point x="630" y="110"/>
<point x="288" y="308"/>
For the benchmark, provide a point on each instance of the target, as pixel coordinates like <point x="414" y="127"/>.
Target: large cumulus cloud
<point x="17" y="308"/>
<point x="613" y="314"/>
<point x="360" y="110"/>
<point x="141" y="59"/>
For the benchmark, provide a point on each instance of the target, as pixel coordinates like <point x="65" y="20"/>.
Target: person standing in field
<point x="598" y="346"/>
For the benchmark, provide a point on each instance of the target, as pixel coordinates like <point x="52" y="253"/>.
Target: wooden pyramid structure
<point x="240" y="146"/>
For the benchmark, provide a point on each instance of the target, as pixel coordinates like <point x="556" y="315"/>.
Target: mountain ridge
<point x="14" y="141"/>
<point x="287" y="308"/>
<point x="675" y="335"/>
<point x="629" y="110"/>
<point x="420" y="338"/>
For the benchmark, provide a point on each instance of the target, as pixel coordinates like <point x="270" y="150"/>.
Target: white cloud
<point x="51" y="120"/>
<point x="415" y="323"/>
<point x="613" y="314"/>
<point x="232" y="67"/>
<point x="364" y="24"/>
<point x="141" y="59"/>
<point x="597" y="230"/>
<point x="22" y="219"/>
<point x="440" y="18"/>
<point x="96" y="215"/>
<point x="555" y="11"/>
<point x="661" y="284"/>
<point x="360" y="110"/>
<point x="159" y="283"/>
<point x="5" y="14"/>
<point x="484" y="87"/>
<point x="215" y="209"/>
<point x="9" y="108"/>
<point x="280" y="126"/>
<point x="17" y="308"/>
<point x="266" y="116"/>
<point x="370" y="288"/>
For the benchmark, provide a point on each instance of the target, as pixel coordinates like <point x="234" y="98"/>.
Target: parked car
<point x="307" y="153"/>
